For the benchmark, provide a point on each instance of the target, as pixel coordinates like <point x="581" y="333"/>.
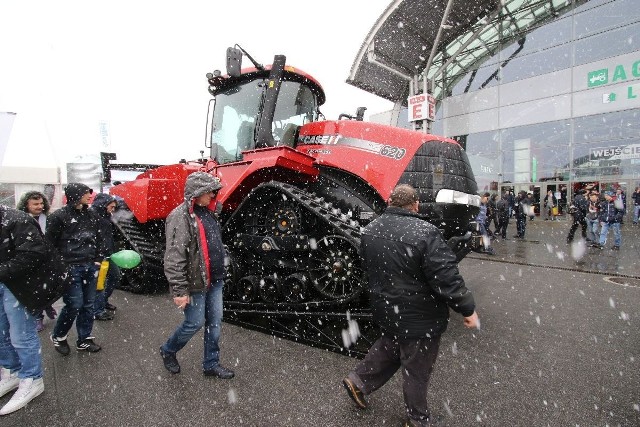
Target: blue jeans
<point x="636" y="212"/>
<point x="78" y="302"/>
<point x="616" y="233"/>
<point x="592" y="229"/>
<point x="204" y="309"/>
<point x="19" y="342"/>
<point x="102" y="297"/>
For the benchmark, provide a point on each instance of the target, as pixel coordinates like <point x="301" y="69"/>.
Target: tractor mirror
<point x="234" y="61"/>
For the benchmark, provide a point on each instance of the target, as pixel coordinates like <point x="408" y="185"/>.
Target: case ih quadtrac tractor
<point x="297" y="190"/>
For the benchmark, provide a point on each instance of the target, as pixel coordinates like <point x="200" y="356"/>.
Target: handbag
<point x="554" y="211"/>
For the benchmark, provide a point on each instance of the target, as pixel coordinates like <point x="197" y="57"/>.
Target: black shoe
<point x="432" y="422"/>
<point x="88" y="345"/>
<point x="110" y="307"/>
<point x="170" y="361"/>
<point x="355" y="393"/>
<point x="220" y="372"/>
<point x="61" y="345"/>
<point x="103" y="316"/>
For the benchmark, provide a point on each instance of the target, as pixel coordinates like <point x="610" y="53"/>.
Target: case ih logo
<point x="598" y="77"/>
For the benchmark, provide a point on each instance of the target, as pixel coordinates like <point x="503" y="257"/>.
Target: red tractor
<point x="297" y="190"/>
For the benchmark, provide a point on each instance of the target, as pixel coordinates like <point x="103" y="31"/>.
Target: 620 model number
<point x="393" y="152"/>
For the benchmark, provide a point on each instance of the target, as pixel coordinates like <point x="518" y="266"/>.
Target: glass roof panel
<point x="516" y="18"/>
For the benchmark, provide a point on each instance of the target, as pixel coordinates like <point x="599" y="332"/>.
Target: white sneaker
<point x="8" y="381"/>
<point x="28" y="390"/>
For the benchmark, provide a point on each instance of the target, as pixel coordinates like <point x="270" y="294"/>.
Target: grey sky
<point x="140" y="66"/>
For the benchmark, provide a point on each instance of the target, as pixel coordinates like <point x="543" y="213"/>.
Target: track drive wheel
<point x="335" y="268"/>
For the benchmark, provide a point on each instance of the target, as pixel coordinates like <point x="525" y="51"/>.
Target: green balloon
<point x="126" y="258"/>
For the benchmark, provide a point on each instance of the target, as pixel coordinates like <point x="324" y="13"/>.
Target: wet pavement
<point x="559" y="346"/>
<point x="545" y="245"/>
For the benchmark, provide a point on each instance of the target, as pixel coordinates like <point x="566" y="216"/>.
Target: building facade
<point x="557" y="109"/>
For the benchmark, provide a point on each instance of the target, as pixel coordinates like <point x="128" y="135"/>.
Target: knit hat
<point x="74" y="192"/>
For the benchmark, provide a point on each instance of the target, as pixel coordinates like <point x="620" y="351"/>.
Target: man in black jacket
<point x="22" y="251"/>
<point x="103" y="206"/>
<point x="74" y="230"/>
<point x="579" y="212"/>
<point x="413" y="281"/>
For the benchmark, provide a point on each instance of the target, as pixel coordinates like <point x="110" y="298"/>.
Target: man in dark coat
<point x="521" y="210"/>
<point x="103" y="206"/>
<point x="413" y="281"/>
<point x="36" y="204"/>
<point x="22" y="251"/>
<point x="194" y="267"/>
<point x="75" y="232"/>
<point x="579" y="212"/>
<point x="503" y="216"/>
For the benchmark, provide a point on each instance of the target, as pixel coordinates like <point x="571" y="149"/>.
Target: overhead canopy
<point x="411" y="36"/>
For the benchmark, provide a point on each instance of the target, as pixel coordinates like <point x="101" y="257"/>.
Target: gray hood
<point x="199" y="183"/>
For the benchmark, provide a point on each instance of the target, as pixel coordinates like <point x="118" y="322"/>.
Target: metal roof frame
<point x="459" y="35"/>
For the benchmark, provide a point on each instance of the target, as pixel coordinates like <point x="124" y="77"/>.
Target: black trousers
<point x="386" y="356"/>
<point x="502" y="227"/>
<point x="577" y="223"/>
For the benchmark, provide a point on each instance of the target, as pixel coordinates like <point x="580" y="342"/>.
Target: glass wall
<point x="586" y="61"/>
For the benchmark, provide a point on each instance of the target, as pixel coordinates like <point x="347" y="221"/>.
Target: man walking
<point x="413" y="281"/>
<point x="194" y="266"/>
<point x="521" y="211"/>
<point x="503" y="216"/>
<point x="22" y="250"/>
<point x="74" y="230"/>
<point x="579" y="212"/>
<point x="610" y="217"/>
<point x="636" y="205"/>
<point x="36" y="204"/>
<point x="103" y="206"/>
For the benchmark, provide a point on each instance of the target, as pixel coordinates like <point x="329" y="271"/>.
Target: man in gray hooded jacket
<point x="194" y="267"/>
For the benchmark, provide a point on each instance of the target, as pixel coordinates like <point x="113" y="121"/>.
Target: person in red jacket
<point x="413" y="281"/>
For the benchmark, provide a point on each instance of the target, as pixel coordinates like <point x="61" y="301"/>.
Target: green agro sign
<point x="601" y="77"/>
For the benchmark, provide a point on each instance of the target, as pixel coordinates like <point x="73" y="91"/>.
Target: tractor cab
<point x="259" y="107"/>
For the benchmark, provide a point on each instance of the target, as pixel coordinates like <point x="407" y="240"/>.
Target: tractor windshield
<point x="236" y="110"/>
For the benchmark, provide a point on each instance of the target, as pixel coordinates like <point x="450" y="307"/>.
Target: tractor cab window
<point x="296" y="106"/>
<point x="236" y="111"/>
<point x="234" y="118"/>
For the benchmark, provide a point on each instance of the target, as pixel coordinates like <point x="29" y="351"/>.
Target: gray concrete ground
<point x="558" y="347"/>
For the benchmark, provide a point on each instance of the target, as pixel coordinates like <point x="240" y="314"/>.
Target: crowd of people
<point x="593" y="212"/>
<point x="83" y="234"/>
